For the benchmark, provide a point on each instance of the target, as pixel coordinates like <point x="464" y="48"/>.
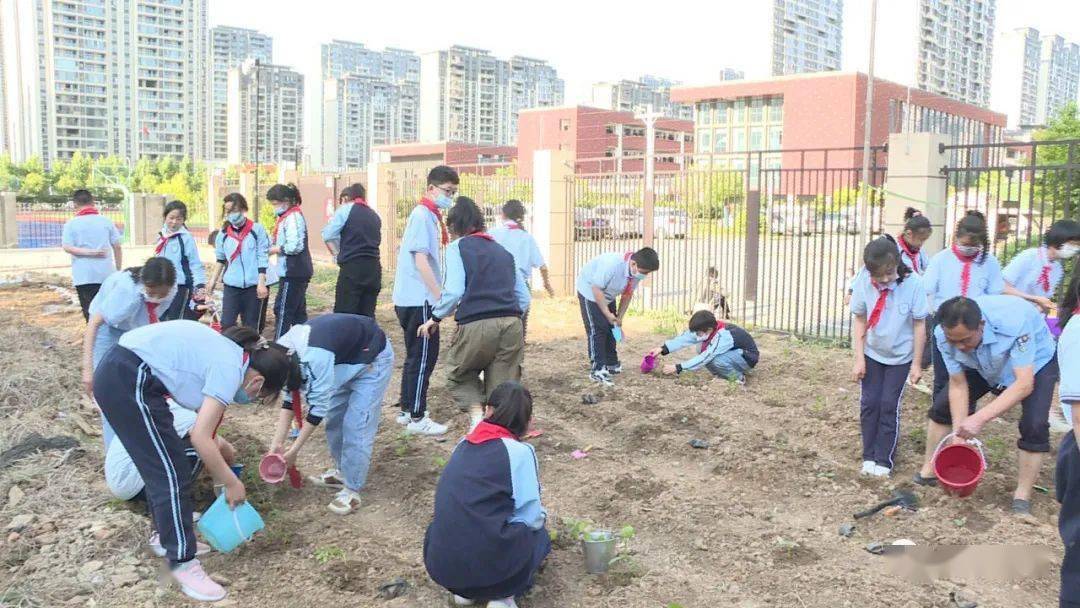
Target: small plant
<point x="996" y="448"/>
<point x="440" y="462"/>
<point x="826" y="475"/>
<point x="404" y="444"/>
<point x="576" y="528"/>
<point x="918" y="435"/>
<point x="820" y="405"/>
<point x="787" y="546"/>
<point x="328" y="554"/>
<point x="959" y="522"/>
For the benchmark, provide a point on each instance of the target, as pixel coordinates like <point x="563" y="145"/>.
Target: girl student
<point x="178" y="246"/>
<point x="487" y="295"/>
<point x="917" y="231"/>
<point x="200" y="370"/>
<point x="515" y="239"/>
<point x="127" y="299"/>
<point x="1034" y="274"/>
<point x="966" y="268"/>
<point x="290" y="245"/>
<point x="1067" y="474"/>
<point x="487" y="539"/>
<point x="353" y="236"/>
<point x="346" y="363"/>
<point x="890" y="309"/>
<point x="242" y="249"/>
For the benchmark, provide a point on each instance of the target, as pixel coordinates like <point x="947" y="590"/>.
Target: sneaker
<point x="330" y="479"/>
<point x="424" y="426"/>
<point x="867" y="467"/>
<point x="196" y="584"/>
<point x="614" y="369"/>
<point x="403" y="418"/>
<point x="345" y="502"/>
<point x="880" y="471"/>
<point x="919" y="480"/>
<point x="507" y="602"/>
<point x="603" y="377"/>
<point x="158" y="550"/>
<point x="1021" y="507"/>
<point x="462" y="601"/>
<point x="1058" y="424"/>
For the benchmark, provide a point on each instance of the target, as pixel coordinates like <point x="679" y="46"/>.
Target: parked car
<point x="793" y="222"/>
<point x="668" y="222"/>
<point x="842" y="222"/>
<point x="625" y="222"/>
<point x="588" y="226"/>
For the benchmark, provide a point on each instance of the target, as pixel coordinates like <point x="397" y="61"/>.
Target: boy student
<point x="353" y="236"/>
<point x="1034" y="274"/>
<point x="416" y="289"/>
<point x="601" y="280"/>
<point x="726" y="350"/>
<point x="1000" y="345"/>
<point x="93" y="242"/>
<point x="1067" y="476"/>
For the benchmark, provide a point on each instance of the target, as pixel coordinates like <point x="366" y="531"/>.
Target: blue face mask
<point x="235" y="218"/>
<point x="640" y="276"/>
<point x="443" y="201"/>
<point x="280" y="210"/>
<point x="241" y="397"/>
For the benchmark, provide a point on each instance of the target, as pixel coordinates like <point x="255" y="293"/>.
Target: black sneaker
<point x="926" y="482"/>
<point x="1021" y="507"/>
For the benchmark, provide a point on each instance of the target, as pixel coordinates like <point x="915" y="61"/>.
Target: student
<point x="999" y="345"/>
<point x="711" y="295"/>
<point x="890" y="309"/>
<point x="93" y="242"/>
<point x="346" y="362"/>
<point x="917" y="231"/>
<point x="968" y="269"/>
<point x="1034" y="274"/>
<point x="242" y="248"/>
<point x="515" y="239"/>
<point x="290" y="245"/>
<point x="353" y="236"/>
<point x="725" y="349"/>
<point x="487" y="539"/>
<point x="598" y="284"/>
<point x="177" y="245"/>
<point x="486" y="294"/>
<point x="1067" y="474"/>
<point x="203" y="371"/>
<point x="416" y="288"/>
<point x="127" y="299"/>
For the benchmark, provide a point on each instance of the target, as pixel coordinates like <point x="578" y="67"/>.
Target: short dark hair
<point x="915" y="221"/>
<point x="156" y="272"/>
<point x="237" y="200"/>
<point x="646" y="259"/>
<point x="881" y="253"/>
<point x="284" y="193"/>
<point x="514" y="211"/>
<point x="702" y="320"/>
<point x="354" y="192"/>
<point x="513" y="407"/>
<point x="1061" y="232"/>
<point x="442" y="175"/>
<point x="959" y="311"/>
<point x="82" y="198"/>
<point x="465" y="217"/>
<point x="271" y="360"/>
<point x="175" y="206"/>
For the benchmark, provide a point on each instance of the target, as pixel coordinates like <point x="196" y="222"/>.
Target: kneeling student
<point x="726" y="350"/>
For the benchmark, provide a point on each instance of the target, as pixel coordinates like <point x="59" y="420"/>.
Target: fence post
<point x="753" y="241"/>
<point x="553" y="216"/>
<point x="148" y="211"/>
<point x="914" y="178"/>
<point x="9" y="228"/>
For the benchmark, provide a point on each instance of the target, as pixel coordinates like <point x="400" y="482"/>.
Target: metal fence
<point x="41" y="224"/>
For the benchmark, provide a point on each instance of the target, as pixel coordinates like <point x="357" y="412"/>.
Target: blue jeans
<point x="352" y="418"/>
<point x="729" y="366"/>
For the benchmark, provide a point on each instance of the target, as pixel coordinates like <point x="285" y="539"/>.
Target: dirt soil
<point x="750" y="521"/>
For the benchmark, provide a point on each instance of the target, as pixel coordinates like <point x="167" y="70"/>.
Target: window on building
<point x="704" y="139"/>
<point x="757" y="138"/>
<point x="757" y="110"/>
<point x="738" y="141"/>
<point x="738" y="112"/>
<point x="776" y="138"/>
<point x="776" y="109"/>
<point x="564" y="124"/>
<point x="704" y="115"/>
<point x="720" y="144"/>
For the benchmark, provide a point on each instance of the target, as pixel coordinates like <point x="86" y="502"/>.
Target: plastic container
<point x="599" y="547"/>
<point x="272" y="468"/>
<point x="648" y="364"/>
<point x="1055" y="329"/>
<point x="616" y="332"/>
<point x="959" y="468"/>
<point x="226" y="529"/>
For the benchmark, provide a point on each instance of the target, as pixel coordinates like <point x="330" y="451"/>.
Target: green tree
<point x="10" y="177"/>
<point x="34" y="184"/>
<point x="1061" y="187"/>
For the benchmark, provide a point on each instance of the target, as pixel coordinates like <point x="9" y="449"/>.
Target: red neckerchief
<point x="1044" y="276"/>
<point x="512" y="225"/>
<point x="432" y="207"/>
<point x="238" y="236"/>
<point x="91" y="210"/>
<point x="482" y="235"/>
<point x="965" y="274"/>
<point x="281" y="218"/>
<point x="879" y="306"/>
<point x="629" y="289"/>
<point x="151" y="311"/>
<point x="912" y="253"/>
<point x="360" y="201"/>
<point x="486" y="431"/>
<point x="162" y="241"/>
<point x="297" y="410"/>
<point x="719" y="325"/>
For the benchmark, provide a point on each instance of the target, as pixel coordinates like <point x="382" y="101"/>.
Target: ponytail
<point x="515" y="212"/>
<point x="156" y="272"/>
<point x="277" y="366"/>
<point x="974" y="224"/>
<point x="881" y="253"/>
<point x="915" y="221"/>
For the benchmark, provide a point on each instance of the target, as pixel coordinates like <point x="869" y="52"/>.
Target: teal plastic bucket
<point x="226" y="529"/>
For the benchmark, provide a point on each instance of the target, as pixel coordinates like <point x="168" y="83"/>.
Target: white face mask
<point x="153" y="300"/>
<point x="1068" y="250"/>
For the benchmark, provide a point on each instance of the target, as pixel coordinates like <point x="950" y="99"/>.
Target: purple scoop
<point x="648" y="364"/>
<point x="1052" y="323"/>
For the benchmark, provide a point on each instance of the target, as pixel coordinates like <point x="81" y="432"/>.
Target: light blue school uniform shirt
<point x="422" y="235"/>
<point x="1024" y="270"/>
<point x="182" y="250"/>
<point x="1015" y="335"/>
<point x="1069" y="365"/>
<point x="918" y="263"/>
<point x="892" y="340"/>
<point x="942" y="278"/>
<point x="610" y="272"/>
<point x="91" y="232"/>
<point x="254" y="257"/>
<point x="522" y="246"/>
<point x="191" y="360"/>
<point x="122" y="307"/>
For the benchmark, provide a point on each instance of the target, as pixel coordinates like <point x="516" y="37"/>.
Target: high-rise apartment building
<point x="637" y="95"/>
<point x="1016" y="75"/>
<point x="732" y="74"/>
<point x="125" y="77"/>
<point x="229" y="48"/>
<point x="265" y="114"/>
<point x="1059" y="76"/>
<point x="806" y="35"/>
<point x="468" y="95"/>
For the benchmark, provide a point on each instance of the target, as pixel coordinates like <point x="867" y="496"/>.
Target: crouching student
<point x="1067" y="477"/>
<point x="726" y="350"/>
<point x="487" y="296"/>
<point x="203" y="371"/>
<point x="127" y="299"/>
<point x="487" y="539"/>
<point x="346" y="363"/>
<point x="600" y="281"/>
<point x="889" y="332"/>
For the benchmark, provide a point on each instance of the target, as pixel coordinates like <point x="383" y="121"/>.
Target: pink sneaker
<point x="196" y="584"/>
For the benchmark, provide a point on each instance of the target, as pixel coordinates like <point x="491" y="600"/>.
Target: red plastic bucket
<point x="959" y="467"/>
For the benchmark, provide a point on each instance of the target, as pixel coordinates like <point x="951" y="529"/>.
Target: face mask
<point x="701" y="337"/>
<point x="280" y="210"/>
<point x="241" y="396"/>
<point x="235" y="218"/>
<point x="443" y="201"/>
<point x="1068" y="251"/>
<point x="167" y="230"/>
<point x="640" y="276"/>
<point x="146" y="296"/>
<point x="968" y="250"/>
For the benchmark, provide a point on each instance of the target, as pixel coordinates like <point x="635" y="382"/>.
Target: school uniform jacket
<point x="122" y="307"/>
<point x="892" y="340"/>
<point x="333" y="349"/>
<point x="180" y="249"/>
<point x="730" y="337"/>
<point x="294" y="261"/>
<point x="481" y="282"/>
<point x="358" y="230"/>
<point x="244" y="271"/>
<point x="943" y="278"/>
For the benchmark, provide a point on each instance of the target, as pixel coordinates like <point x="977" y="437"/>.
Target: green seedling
<point x="959" y="522"/>
<point x="404" y="444"/>
<point x="440" y="462"/>
<point x="627" y="532"/>
<point x="788" y="546"/>
<point x="328" y="554"/>
<point x="819" y="405"/>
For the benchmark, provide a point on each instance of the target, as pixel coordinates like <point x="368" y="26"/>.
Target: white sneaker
<point x="880" y="471"/>
<point x="867" y="467"/>
<point x="330" y="479"/>
<point x="345" y="502"/>
<point x="614" y="369"/>
<point x="196" y="584"/>
<point x="403" y="418"/>
<point x="1058" y="424"/>
<point x="507" y="602"/>
<point x="462" y="601"/>
<point x="158" y="550"/>
<point x="603" y="377"/>
<point x="425" y="426"/>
